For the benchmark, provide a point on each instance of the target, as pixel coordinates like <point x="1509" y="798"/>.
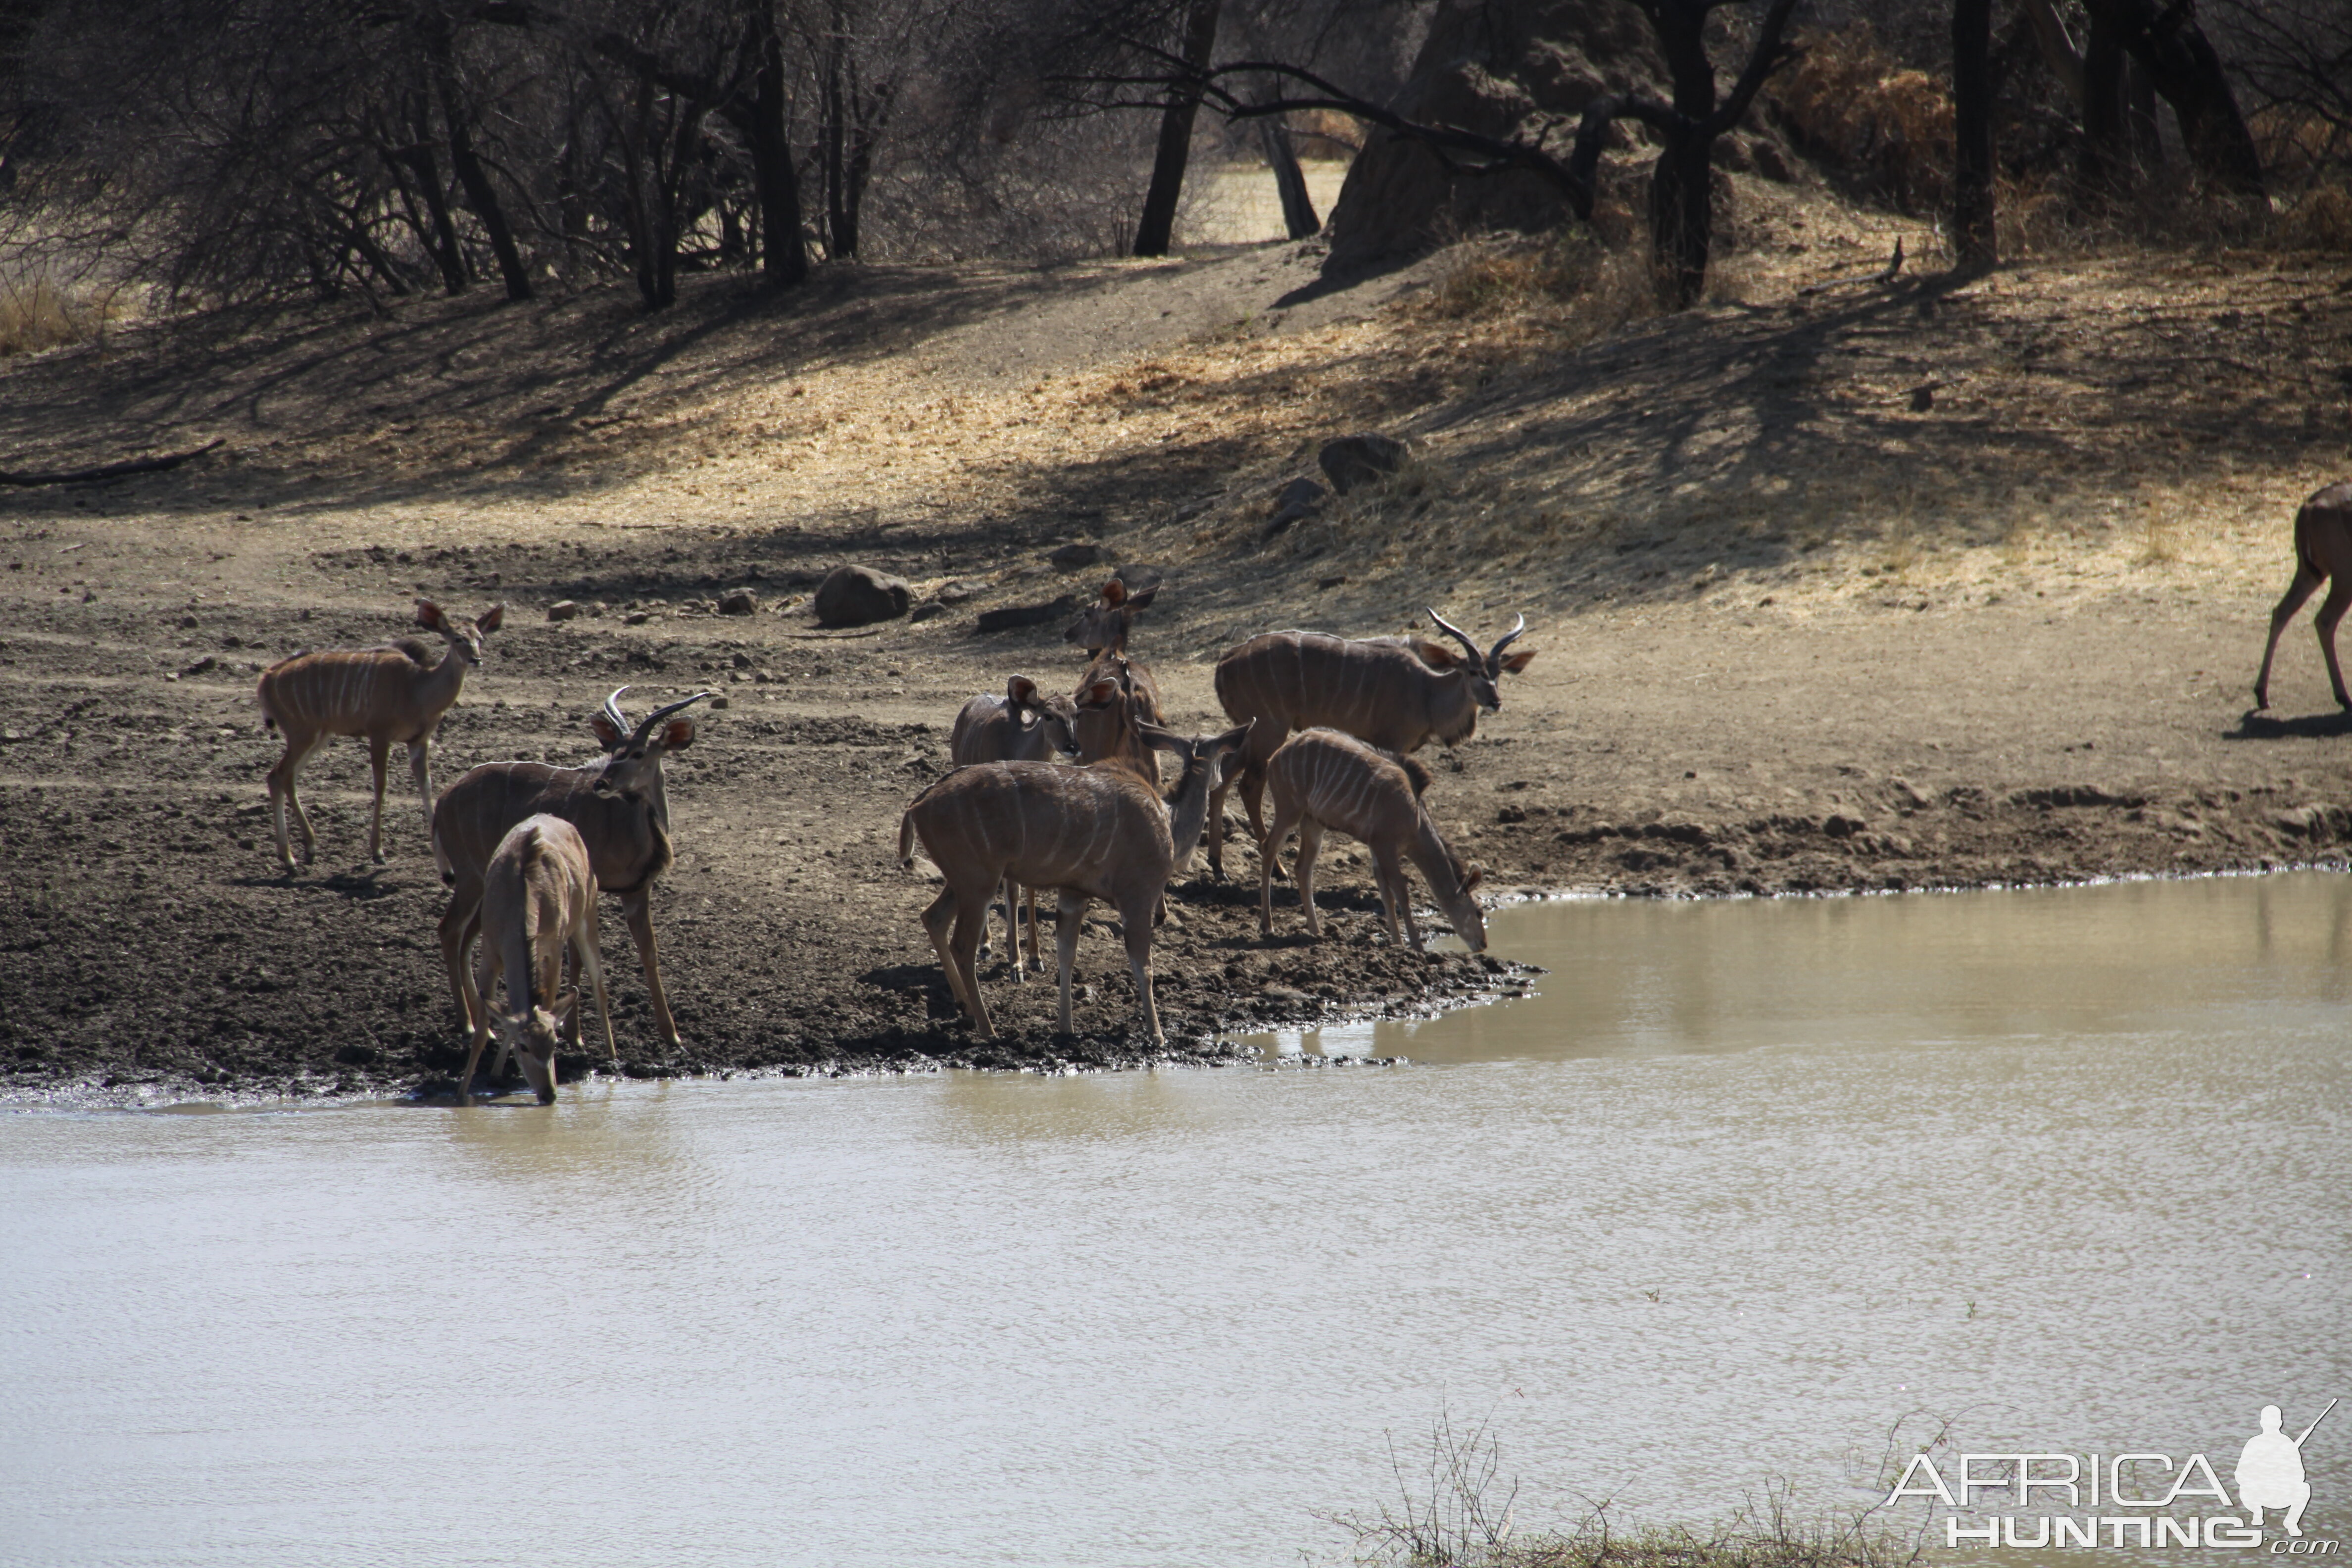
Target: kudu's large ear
<point x="1142" y="598"/>
<point x="1114" y="593"/>
<point x="1161" y="740"/>
<point x="677" y="734"/>
<point x="1021" y="691"/>
<point x="491" y="620"/>
<point x="606" y="735"/>
<point x="1098" y="695"/>
<point x="1477" y="875"/>
<point x="1435" y="655"/>
<point x="1519" y="661"/>
<point x="428" y="615"/>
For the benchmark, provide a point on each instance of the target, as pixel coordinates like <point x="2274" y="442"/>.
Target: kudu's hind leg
<point x="485" y="977"/>
<point x="2307" y="583"/>
<point x="2331" y="612"/>
<point x="284" y="801"/>
<point x="458" y="923"/>
<point x="1283" y="821"/>
<point x="1310" y="843"/>
<point x="637" y="909"/>
<point x="964" y="945"/>
<point x="938" y="920"/>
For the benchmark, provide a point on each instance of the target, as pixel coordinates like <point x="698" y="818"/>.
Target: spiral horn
<point x="1493" y="667"/>
<point x="653" y="719"/>
<point x="1478" y="659"/>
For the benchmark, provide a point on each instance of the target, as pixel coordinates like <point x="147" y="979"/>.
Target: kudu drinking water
<point x="1094" y="832"/>
<point x="618" y="805"/>
<point x="383" y="694"/>
<point x="2323" y="553"/>
<point x="1397" y="694"/>
<point x="1323" y="779"/>
<point x="539" y="898"/>
<point x="1021" y="726"/>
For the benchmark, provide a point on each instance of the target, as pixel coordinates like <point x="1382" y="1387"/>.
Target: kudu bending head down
<point x="538" y="900"/>
<point x="617" y="804"/>
<point x="395" y="693"/>
<point x="1396" y="693"/>
<point x="2323" y="553"/>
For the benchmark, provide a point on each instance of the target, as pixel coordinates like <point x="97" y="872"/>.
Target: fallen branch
<point x="112" y="470"/>
<point x="1886" y="274"/>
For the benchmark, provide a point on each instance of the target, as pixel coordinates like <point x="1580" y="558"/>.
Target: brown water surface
<point x="1744" y="1188"/>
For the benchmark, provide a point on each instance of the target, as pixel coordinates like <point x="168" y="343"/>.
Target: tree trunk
<point x="1159" y="224"/>
<point x="834" y="94"/>
<point x="2187" y="71"/>
<point x="2141" y="134"/>
<point x="1972" y="150"/>
<point x="441" y="239"/>
<point x="1682" y="220"/>
<point x="1298" y="219"/>
<point x="2102" y="103"/>
<point x="783" y="257"/>
<point x="479" y="194"/>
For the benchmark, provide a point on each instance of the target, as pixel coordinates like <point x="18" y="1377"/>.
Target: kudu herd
<point x="526" y="847"/>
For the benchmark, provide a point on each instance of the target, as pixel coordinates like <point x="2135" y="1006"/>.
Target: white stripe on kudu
<point x="382" y="695"/>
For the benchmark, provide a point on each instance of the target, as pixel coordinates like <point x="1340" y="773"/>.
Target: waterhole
<point x="1744" y="1195"/>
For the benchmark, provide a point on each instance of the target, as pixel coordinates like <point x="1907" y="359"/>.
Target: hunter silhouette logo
<point x="2131" y="1500"/>
<point x="2270" y="1471"/>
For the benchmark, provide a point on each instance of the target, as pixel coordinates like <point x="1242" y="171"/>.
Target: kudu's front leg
<point x="637" y="909"/>
<point x="420" y="772"/>
<point x="1135" y="923"/>
<point x="379" y="752"/>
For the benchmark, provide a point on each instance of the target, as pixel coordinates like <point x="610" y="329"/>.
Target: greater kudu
<point x="1323" y="779"/>
<point x="2323" y="553"/>
<point x="1021" y="726"/>
<point x="1102" y="630"/>
<point x="617" y="804"/>
<point x="1397" y="694"/>
<point x="1094" y="832"/>
<point x="539" y="898"/>
<point x="397" y="692"/>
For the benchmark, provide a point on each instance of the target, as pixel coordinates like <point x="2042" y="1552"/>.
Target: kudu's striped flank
<point x="383" y="694"/>
<point x="1323" y="779"/>
<point x="539" y="898"/>
<point x="1397" y="694"/>
<point x="1094" y="832"/>
<point x="1021" y="726"/>
<point x="618" y="805"/>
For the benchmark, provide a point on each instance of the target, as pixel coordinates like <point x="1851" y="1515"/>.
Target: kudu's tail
<point x="906" y="839"/>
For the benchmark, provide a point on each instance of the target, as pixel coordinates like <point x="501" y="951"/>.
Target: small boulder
<point x="635" y="619"/>
<point x="1016" y="616"/>
<point x="859" y="597"/>
<point x="957" y="591"/>
<point x="562" y="610"/>
<point x="929" y="610"/>
<point x="739" y="601"/>
<point x="1356" y="460"/>
<point x="1070" y="557"/>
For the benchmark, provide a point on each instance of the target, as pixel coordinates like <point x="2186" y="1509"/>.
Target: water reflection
<point x="1653" y="978"/>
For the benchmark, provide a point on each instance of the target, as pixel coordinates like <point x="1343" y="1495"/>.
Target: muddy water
<point x="1745" y="1188"/>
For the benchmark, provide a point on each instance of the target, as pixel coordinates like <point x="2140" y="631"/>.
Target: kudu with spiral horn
<point x="1396" y="693"/>
<point x="618" y="805"/>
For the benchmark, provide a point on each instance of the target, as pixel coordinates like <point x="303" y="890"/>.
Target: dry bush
<point x="2320" y="219"/>
<point x="1568" y="276"/>
<point x="38" y="312"/>
<point x="1885" y="126"/>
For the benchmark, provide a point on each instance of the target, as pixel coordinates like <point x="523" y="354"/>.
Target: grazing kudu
<point x="1397" y="694"/>
<point x="2323" y="553"/>
<point x="1323" y="779"/>
<point x="617" y="804"/>
<point x="539" y="898"/>
<point x="384" y="694"/>
<point x="1021" y="726"/>
<point x="1094" y="832"/>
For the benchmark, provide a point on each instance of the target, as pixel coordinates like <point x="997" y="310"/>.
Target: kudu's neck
<point x="1428" y="851"/>
<point x="440" y="685"/>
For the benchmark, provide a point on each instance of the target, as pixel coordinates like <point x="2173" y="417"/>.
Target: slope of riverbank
<point x="1891" y="586"/>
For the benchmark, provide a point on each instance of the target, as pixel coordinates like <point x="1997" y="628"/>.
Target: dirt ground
<point x="1887" y="587"/>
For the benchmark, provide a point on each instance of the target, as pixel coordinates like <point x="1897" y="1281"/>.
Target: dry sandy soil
<point x="1912" y="585"/>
